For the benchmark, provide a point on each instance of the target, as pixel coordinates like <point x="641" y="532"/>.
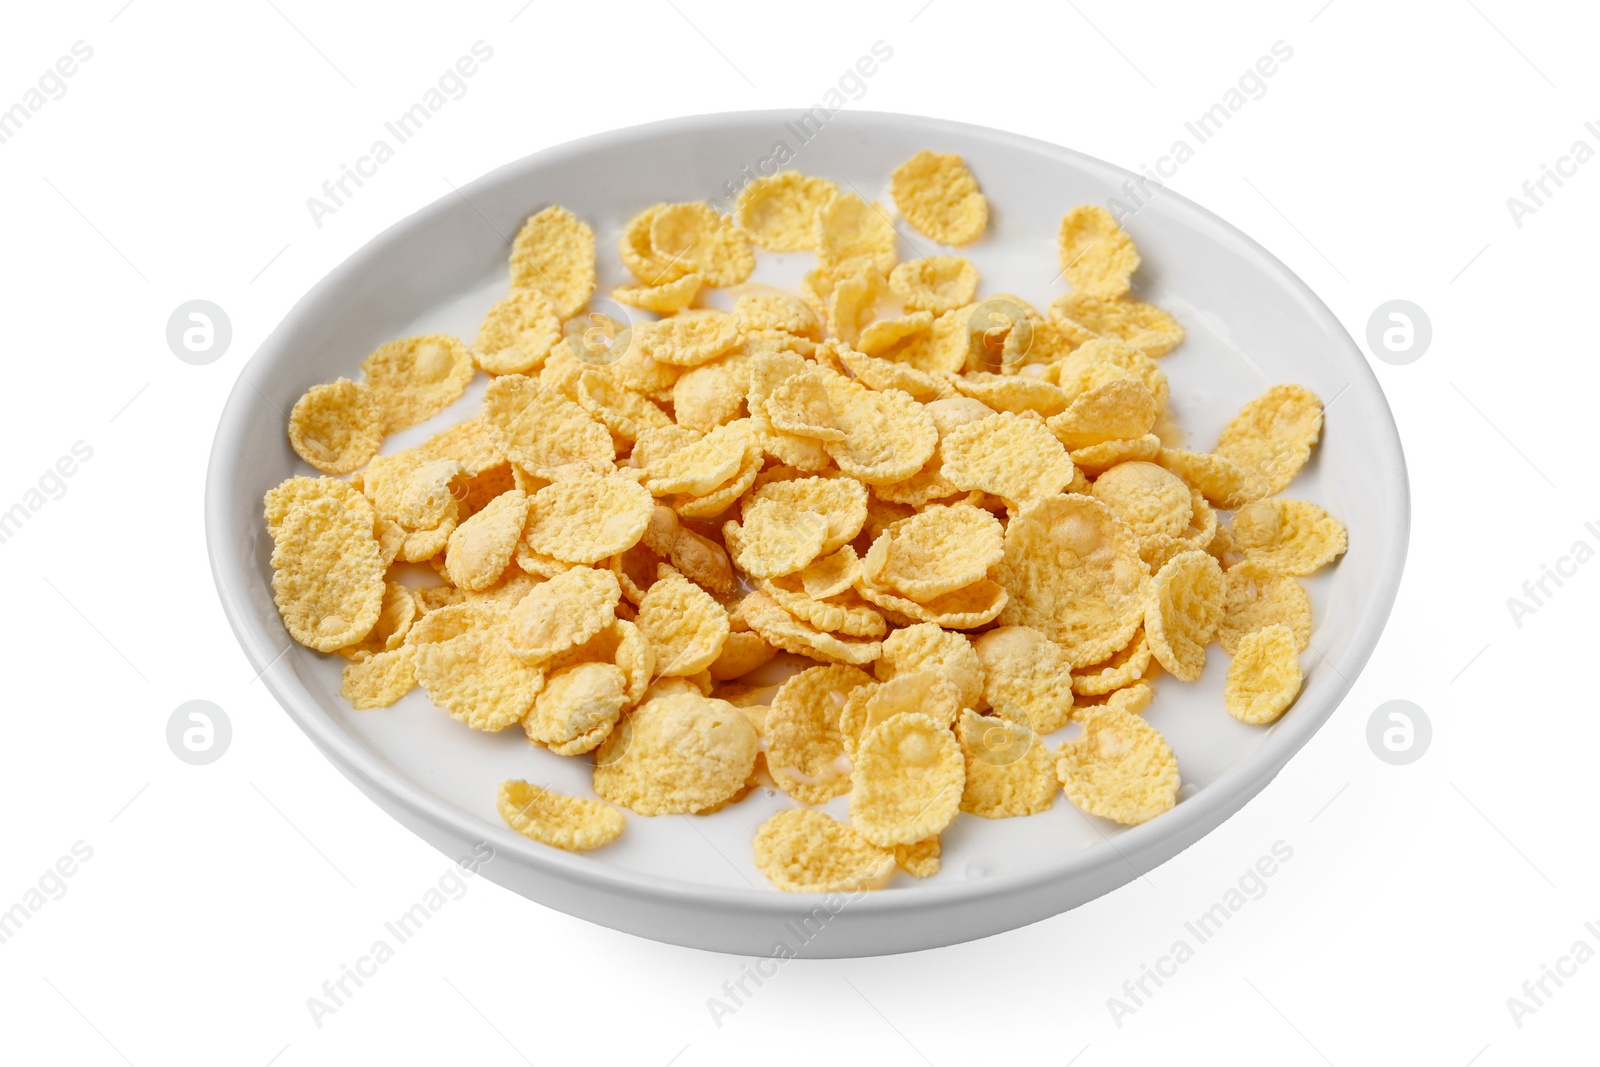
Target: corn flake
<point x="1120" y="768"/>
<point x="939" y="197"/>
<point x="563" y="613"/>
<point x="1264" y="677"/>
<point x="936" y="551"/>
<point x="779" y="211"/>
<point x="1009" y="772"/>
<point x="1184" y="610"/>
<point x="684" y="625"/>
<point x="588" y="518"/>
<point x="1293" y="537"/>
<point x="805" y="851"/>
<point x="1015" y="458"/>
<point x="907" y="780"/>
<point x="481" y="548"/>
<point x="805" y="751"/>
<point x="336" y="427"/>
<point x="1027" y="678"/>
<point x="570" y="823"/>
<point x="677" y="754"/>
<point x="935" y="283"/>
<point x="413" y="379"/>
<point x="1097" y="256"/>
<point x="554" y="255"/>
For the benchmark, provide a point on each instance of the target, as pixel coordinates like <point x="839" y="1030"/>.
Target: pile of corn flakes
<point x="973" y="520"/>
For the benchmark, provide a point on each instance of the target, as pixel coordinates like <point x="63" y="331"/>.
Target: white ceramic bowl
<point x="690" y="880"/>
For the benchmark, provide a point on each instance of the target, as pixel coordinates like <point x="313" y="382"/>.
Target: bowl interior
<point x="1251" y="323"/>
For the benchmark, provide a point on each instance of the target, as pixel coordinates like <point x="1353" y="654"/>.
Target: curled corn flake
<point x="1122" y="669"/>
<point x="774" y="539"/>
<point x="554" y="255"/>
<point x="465" y="666"/>
<point x="888" y="436"/>
<point x="395" y="616"/>
<point x="854" y="302"/>
<point x="481" y="548"/>
<point x="571" y="823"/>
<point x="1149" y="498"/>
<point x="1115" y="410"/>
<point x="1264" y="677"/>
<point x="336" y="427"/>
<point x="624" y="412"/>
<point x="379" y="680"/>
<point x="939" y="197"/>
<point x="920" y="860"/>
<point x="776" y="311"/>
<point x="1073" y="571"/>
<point x="1015" y="393"/>
<point x="1184" y="609"/>
<point x="721" y="499"/>
<point x="936" y="551"/>
<point x="779" y="211"/>
<point x="1027" y="678"/>
<point x="563" y="612"/>
<point x="698" y="558"/>
<point x="1220" y="480"/>
<point x="1096" y="255"/>
<point x="926" y="692"/>
<point x="651" y="267"/>
<point x="1099" y="358"/>
<point x="1009" y="772"/>
<point x="588" y="519"/>
<point x="843" y="613"/>
<point x="653" y="444"/>
<point x="1293" y="537"/>
<point x="517" y="334"/>
<point x="782" y="630"/>
<point x="676" y="754"/>
<point x="684" y="625"/>
<point x="327" y="574"/>
<point x="698" y="468"/>
<point x="742" y="652"/>
<point x="802" y="404"/>
<point x="1257" y="597"/>
<point x="848" y="229"/>
<point x="1120" y="768"/>
<point x="805" y="851"/>
<point x="935" y="283"/>
<point x="1272" y="436"/>
<point x="1143" y="327"/>
<point x="688" y="339"/>
<point x="543" y="432"/>
<point x="805" y="751"/>
<point x="577" y="708"/>
<point x="695" y="236"/>
<point x="907" y="780"/>
<point x="415" y="378"/>
<point x="665" y="299"/>
<point x="966" y="608"/>
<point x="1095" y="460"/>
<point x="880" y="337"/>
<point x="712" y="395"/>
<point x="832" y="574"/>
<point x="884" y="374"/>
<point x="841" y="501"/>
<point x="1015" y="458"/>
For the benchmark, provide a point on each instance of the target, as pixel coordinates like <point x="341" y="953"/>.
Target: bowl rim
<point x="1187" y="822"/>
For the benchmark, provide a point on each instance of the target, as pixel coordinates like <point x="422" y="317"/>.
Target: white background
<point x="218" y="898"/>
